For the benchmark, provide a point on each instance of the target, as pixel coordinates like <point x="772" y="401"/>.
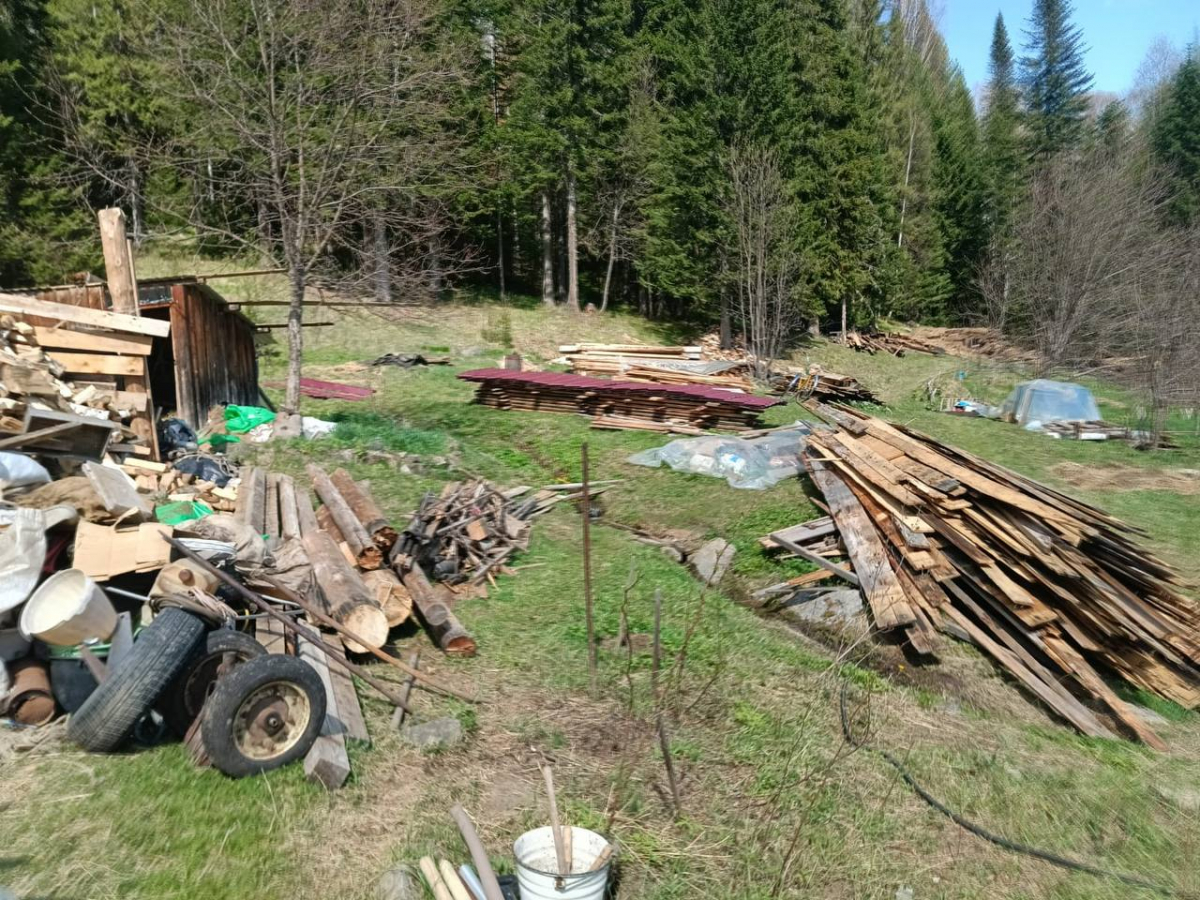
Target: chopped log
<point x="366" y="553"/>
<point x="445" y="629"/>
<point x="363" y="505"/>
<point x="393" y="597"/>
<point x="344" y="596"/>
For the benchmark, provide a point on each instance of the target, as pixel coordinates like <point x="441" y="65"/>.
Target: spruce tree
<point x="1112" y="128"/>
<point x="1056" y="81"/>
<point x="1003" y="162"/>
<point x="1176" y="139"/>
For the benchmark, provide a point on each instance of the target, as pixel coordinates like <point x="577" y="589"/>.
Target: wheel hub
<point x="271" y="720"/>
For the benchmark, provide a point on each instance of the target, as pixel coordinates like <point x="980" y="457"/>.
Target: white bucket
<point x="537" y="864"/>
<point x="68" y="609"/>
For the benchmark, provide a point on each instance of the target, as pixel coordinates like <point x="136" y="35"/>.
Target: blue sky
<point x="1117" y="32"/>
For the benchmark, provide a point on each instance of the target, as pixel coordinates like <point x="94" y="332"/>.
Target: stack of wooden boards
<point x="895" y="344"/>
<point x="1054" y="590"/>
<point x="73" y="381"/>
<point x="686" y="409"/>
<point x="826" y="385"/>
<point x="466" y="533"/>
<point x="615" y="359"/>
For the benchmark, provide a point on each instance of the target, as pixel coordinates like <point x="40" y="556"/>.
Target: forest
<point x="775" y="168"/>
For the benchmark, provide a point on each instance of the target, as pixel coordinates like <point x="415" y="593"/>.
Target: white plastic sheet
<point x="749" y="463"/>
<point x="22" y="554"/>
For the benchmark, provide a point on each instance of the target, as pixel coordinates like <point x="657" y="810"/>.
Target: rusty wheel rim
<point x="271" y="720"/>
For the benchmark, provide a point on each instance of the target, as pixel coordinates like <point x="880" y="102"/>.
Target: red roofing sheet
<point x="563" y="379"/>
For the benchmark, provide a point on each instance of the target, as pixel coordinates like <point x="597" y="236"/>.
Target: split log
<point x="344" y="596"/>
<point x="365" y="509"/>
<point x="366" y="553"/>
<point x="305" y="517"/>
<point x="252" y="499"/>
<point x="271" y="506"/>
<point x="393" y="597"/>
<point x="443" y="626"/>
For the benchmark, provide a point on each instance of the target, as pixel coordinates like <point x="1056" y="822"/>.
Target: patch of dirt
<point x="1128" y="478"/>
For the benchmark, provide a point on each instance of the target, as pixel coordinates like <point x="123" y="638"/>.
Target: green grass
<point x="757" y="744"/>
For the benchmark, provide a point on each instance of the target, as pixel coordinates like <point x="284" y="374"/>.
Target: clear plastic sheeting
<point x="1033" y="403"/>
<point x="750" y="463"/>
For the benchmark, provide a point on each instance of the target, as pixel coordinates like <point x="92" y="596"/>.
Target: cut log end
<point x="370" y="624"/>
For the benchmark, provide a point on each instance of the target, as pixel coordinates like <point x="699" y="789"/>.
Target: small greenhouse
<point x="1033" y="403"/>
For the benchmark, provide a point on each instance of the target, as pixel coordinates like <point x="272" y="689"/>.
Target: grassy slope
<point x="758" y="749"/>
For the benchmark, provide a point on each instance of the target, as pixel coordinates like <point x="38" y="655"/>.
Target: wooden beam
<point x="100" y="363"/>
<point x="93" y="342"/>
<point x="82" y="315"/>
<point x="118" y="264"/>
<point x="327" y="762"/>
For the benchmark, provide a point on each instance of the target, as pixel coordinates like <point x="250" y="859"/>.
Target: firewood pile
<point x="894" y="344"/>
<point x="468" y="532"/>
<point x="659" y="407"/>
<point x="1055" y="591"/>
<point x="55" y="398"/>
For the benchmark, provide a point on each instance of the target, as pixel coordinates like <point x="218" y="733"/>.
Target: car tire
<point x="162" y="649"/>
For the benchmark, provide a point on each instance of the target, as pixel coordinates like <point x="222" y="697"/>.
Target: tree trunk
<point x="436" y="280"/>
<point x="572" y="246"/>
<point x="912" y="136"/>
<point x="612" y="257"/>
<point x="547" y="253"/>
<point x="500" y="250"/>
<point x="726" y="323"/>
<point x="814" y="326"/>
<point x="844" y="306"/>
<point x="295" y="333"/>
<point x="383" y="273"/>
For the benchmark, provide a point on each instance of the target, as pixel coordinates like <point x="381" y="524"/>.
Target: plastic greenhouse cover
<point x="750" y="463"/>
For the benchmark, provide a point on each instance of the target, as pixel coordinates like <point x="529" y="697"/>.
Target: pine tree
<point x="1112" y="129"/>
<point x="1176" y="139"/>
<point x="1056" y="81"/>
<point x="1003" y="162"/>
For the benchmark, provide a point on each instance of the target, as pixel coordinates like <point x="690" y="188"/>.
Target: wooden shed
<point x="207" y="360"/>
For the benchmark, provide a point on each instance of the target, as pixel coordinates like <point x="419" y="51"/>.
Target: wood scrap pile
<point x="74" y="390"/>
<point x="467" y="533"/>
<point x="827" y="385"/>
<point x="895" y="344"/>
<point x="169" y="483"/>
<point x="1057" y="592"/>
<point x="1104" y="431"/>
<point x="710" y="346"/>
<point x="975" y="342"/>
<point x="622" y="404"/>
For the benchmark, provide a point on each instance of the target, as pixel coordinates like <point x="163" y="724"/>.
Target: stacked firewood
<point x="1054" y="590"/>
<point x="468" y="531"/>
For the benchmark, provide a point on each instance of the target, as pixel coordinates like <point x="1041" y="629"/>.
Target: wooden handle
<point x="483" y="866"/>
<point x="430" y="870"/>
<point x="458" y="890"/>
<point x="560" y="850"/>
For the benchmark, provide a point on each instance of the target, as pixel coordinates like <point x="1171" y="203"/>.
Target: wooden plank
<point x="118" y="261"/>
<point x="327" y="763"/>
<point x="889" y="604"/>
<point x="99" y="363"/>
<point x="354" y="726"/>
<point x="817" y="559"/>
<point x="82" y="315"/>
<point x="270" y="633"/>
<point x="93" y="341"/>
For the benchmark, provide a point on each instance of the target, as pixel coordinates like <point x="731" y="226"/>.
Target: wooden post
<point x="118" y="264"/>
<point x="365" y="509"/>
<point x="347" y="600"/>
<point x="327" y="762"/>
<point x="445" y="629"/>
<point x="587" y="570"/>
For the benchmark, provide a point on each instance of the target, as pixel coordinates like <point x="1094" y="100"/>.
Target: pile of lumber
<point x="660" y="407"/>
<point x="1105" y="431"/>
<point x="68" y="388"/>
<point x="1057" y="592"/>
<point x="466" y="533"/>
<point x="615" y="359"/>
<point x="895" y="344"/>
<point x="734" y="377"/>
<point x="829" y="385"/>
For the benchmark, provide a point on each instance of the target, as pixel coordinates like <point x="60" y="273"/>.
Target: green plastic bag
<point x="182" y="511"/>
<point x="240" y="419"/>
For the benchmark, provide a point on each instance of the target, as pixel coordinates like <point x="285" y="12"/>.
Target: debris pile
<point x="684" y="409"/>
<point x="615" y="359"/>
<point x="824" y="385"/>
<point x="896" y="344"/>
<point x="1057" y="592"/>
<point x="67" y="390"/>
